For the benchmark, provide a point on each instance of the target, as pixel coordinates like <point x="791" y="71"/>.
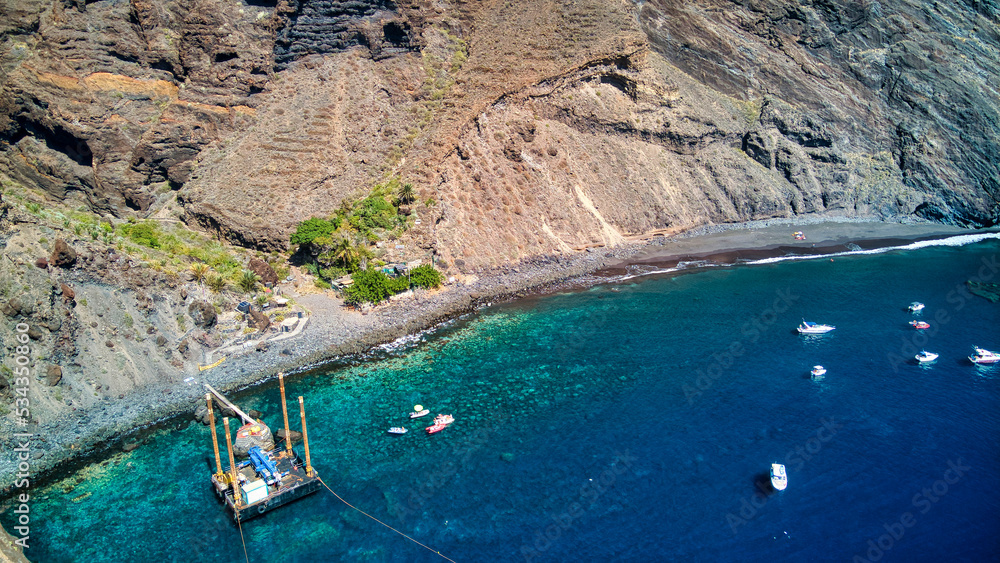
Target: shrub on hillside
<point x="425" y="276"/>
<point x="372" y="286"/>
<point x="311" y="229"/>
<point x="144" y="234"/>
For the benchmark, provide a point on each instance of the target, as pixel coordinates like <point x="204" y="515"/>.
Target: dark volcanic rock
<point x="259" y="320"/>
<point x="201" y="414"/>
<point x="295" y="435"/>
<point x="68" y="295"/>
<point x="63" y="254"/>
<point x="332" y="26"/>
<point x="264" y="271"/>
<point x="203" y="313"/>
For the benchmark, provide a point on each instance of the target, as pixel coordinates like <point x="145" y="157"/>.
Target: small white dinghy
<point x="397" y="430"/>
<point x="779" y="479"/>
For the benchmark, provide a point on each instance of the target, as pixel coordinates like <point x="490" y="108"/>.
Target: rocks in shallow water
<point x="507" y="456"/>
<point x="294" y="434"/>
<point x="255" y="414"/>
<point x="990" y="291"/>
<point x="129" y="446"/>
<point x="201" y="414"/>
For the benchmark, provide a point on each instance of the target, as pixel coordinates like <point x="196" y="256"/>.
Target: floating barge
<point x="270" y="477"/>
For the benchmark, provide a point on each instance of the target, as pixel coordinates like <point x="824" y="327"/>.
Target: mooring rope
<point x="240" y="525"/>
<point x="383" y="523"/>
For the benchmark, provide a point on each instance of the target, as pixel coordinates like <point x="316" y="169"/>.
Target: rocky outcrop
<point x="264" y="271"/>
<point x="53" y="375"/>
<point x="63" y="255"/>
<point x="259" y="320"/>
<point x="203" y="314"/>
<point x="327" y="26"/>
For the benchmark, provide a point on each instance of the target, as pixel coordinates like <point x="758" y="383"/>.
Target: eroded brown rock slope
<point x="528" y="127"/>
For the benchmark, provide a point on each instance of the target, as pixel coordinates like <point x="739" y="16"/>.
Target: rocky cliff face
<point x="528" y="127"/>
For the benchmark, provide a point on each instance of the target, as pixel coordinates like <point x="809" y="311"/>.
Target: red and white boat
<point x="920" y="324"/>
<point x="436" y="428"/>
<point x="983" y="356"/>
<point x="441" y="422"/>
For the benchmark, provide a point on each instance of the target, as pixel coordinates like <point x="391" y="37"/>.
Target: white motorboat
<point x="915" y="306"/>
<point x="983" y="356"/>
<point x="779" y="479"/>
<point x="397" y="430"/>
<point x="818" y="371"/>
<point x="924" y="356"/>
<point x="814" y="328"/>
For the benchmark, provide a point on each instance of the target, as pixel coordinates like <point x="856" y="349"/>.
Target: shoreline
<point x="328" y="340"/>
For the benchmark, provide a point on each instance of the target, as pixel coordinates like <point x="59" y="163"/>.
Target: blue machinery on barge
<point x="268" y="479"/>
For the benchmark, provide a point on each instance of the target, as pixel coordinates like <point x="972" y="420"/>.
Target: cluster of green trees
<point x="340" y="245"/>
<point x="373" y="285"/>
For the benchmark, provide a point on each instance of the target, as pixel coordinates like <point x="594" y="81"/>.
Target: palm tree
<point x="198" y="271"/>
<point x="216" y="283"/>
<point x="343" y="251"/>
<point x="406" y="193"/>
<point x="247" y="281"/>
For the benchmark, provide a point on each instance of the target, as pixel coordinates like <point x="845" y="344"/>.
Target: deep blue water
<point x="626" y="422"/>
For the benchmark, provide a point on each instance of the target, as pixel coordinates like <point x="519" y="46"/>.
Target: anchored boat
<point x="270" y="476"/>
<point x="814" y="328"/>
<point x="983" y="356"/>
<point x="779" y="479"/>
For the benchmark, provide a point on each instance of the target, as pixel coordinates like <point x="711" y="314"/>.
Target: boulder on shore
<point x="63" y="254"/>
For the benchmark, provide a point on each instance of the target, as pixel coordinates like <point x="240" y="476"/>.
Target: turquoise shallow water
<point x="628" y="422"/>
